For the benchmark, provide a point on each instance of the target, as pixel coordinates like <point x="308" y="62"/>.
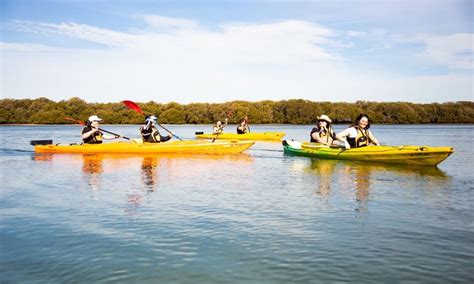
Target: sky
<point x="417" y="51"/>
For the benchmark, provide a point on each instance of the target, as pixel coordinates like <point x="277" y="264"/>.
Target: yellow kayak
<point x="409" y="155"/>
<point x="246" y="136"/>
<point x="190" y="146"/>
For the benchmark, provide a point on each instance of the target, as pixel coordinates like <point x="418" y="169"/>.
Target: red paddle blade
<point x="75" y="120"/>
<point x="132" y="105"/>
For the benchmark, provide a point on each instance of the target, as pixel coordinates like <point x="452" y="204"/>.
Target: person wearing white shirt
<point x="359" y="134"/>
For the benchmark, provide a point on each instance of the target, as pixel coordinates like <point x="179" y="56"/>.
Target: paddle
<point x="135" y="107"/>
<point x="228" y="115"/>
<point x="83" y="123"/>
<point x="247" y="122"/>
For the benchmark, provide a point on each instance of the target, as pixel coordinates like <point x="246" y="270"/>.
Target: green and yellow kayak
<point x="410" y="155"/>
<point x="247" y="136"/>
<point x="176" y="147"/>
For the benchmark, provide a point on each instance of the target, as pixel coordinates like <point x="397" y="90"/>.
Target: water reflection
<point x="357" y="178"/>
<point x="42" y="157"/>
<point x="92" y="168"/>
<point x="149" y="174"/>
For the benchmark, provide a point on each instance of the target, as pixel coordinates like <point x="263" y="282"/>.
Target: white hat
<point x="94" y="118"/>
<point x="325" y="118"/>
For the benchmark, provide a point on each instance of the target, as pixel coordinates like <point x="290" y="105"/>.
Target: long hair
<point x="329" y="128"/>
<point x="362" y="115"/>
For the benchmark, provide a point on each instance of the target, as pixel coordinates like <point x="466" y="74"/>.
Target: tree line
<point x="297" y="111"/>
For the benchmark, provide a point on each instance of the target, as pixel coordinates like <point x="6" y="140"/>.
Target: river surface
<point x="255" y="217"/>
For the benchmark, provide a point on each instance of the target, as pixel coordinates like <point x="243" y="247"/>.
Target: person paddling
<point x="358" y="135"/>
<point x="149" y="132"/>
<point x="91" y="133"/>
<point x="243" y="126"/>
<point x="323" y="132"/>
<point x="219" y="127"/>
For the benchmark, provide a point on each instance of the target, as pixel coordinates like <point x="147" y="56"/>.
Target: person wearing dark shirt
<point x="91" y="133"/>
<point x="149" y="132"/>
<point x="243" y="126"/>
<point x="323" y="132"/>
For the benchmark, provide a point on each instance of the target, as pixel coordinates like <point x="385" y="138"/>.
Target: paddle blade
<point x="132" y="105"/>
<point x="75" y="120"/>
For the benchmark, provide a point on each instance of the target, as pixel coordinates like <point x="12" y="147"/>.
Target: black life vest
<point x="95" y="138"/>
<point x="242" y="129"/>
<point x="150" y="134"/>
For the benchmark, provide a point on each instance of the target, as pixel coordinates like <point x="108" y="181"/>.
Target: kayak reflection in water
<point x="358" y="135"/>
<point x="219" y="127"/>
<point x="243" y="126"/>
<point x="325" y="171"/>
<point x="149" y="175"/>
<point x="91" y="133"/>
<point x="149" y="132"/>
<point x="92" y="168"/>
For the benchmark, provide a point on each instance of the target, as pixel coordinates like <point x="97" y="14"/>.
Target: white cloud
<point x="79" y="31"/>
<point x="456" y="51"/>
<point x="25" y="47"/>
<point x="160" y="22"/>
<point x="281" y="60"/>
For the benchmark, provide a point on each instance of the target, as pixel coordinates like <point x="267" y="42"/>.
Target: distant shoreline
<point x="295" y="112"/>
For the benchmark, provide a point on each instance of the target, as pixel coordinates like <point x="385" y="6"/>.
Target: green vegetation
<point x="45" y="111"/>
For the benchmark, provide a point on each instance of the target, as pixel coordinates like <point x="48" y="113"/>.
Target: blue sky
<point x="216" y="51"/>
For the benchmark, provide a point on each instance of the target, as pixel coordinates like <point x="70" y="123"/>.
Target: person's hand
<point x="347" y="145"/>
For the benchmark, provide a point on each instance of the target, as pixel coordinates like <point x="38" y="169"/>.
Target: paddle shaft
<point x="106" y="131"/>
<point x="222" y="129"/>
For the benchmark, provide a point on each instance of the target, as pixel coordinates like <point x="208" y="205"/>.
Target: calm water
<point x="257" y="217"/>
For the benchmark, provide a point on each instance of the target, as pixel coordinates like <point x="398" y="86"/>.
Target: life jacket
<point x="324" y="133"/>
<point x="362" y="139"/>
<point x="150" y="134"/>
<point x="217" y="129"/>
<point x="242" y="129"/>
<point x="95" y="138"/>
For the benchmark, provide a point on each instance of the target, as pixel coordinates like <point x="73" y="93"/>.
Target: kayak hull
<point x="174" y="147"/>
<point x="247" y="136"/>
<point x="408" y="155"/>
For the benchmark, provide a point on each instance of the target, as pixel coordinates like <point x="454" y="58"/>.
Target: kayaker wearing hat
<point x="323" y="132"/>
<point x="219" y="127"/>
<point x="359" y="134"/>
<point x="91" y="133"/>
<point x="149" y="132"/>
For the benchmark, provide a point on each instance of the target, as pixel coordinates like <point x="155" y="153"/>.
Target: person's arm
<point x="341" y="136"/>
<point x="110" y="137"/>
<point x="318" y="139"/>
<point x="87" y="134"/>
<point x="165" y="138"/>
<point x="372" y="138"/>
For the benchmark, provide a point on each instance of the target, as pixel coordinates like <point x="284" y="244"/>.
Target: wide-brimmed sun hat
<point x="325" y="118"/>
<point x="94" y="118"/>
